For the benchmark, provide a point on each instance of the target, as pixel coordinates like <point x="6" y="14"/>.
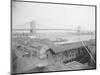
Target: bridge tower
<point x="79" y="29"/>
<point x="33" y="28"/>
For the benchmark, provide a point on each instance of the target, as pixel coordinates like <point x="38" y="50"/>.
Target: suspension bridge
<point x="32" y="28"/>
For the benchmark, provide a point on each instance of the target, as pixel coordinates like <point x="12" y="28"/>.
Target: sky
<point x="52" y="16"/>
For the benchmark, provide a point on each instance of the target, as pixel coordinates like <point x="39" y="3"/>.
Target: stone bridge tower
<point x="33" y="28"/>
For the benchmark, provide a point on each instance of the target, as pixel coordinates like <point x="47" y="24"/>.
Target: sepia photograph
<point x="52" y="37"/>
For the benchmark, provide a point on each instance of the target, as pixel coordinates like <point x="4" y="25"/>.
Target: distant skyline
<point x="52" y="16"/>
